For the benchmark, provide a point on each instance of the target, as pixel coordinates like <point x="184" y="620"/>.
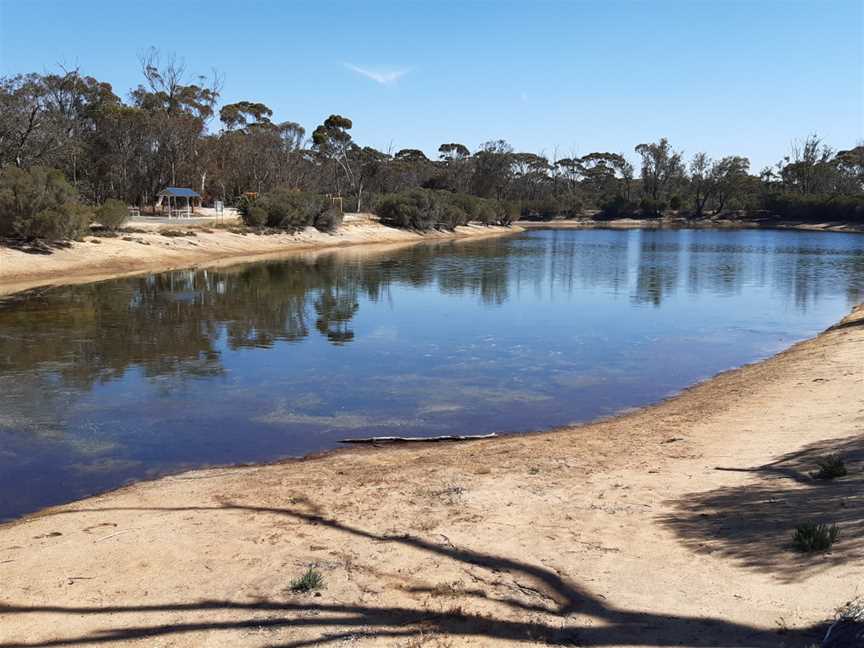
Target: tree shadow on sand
<point x="754" y="523"/>
<point x="569" y="614"/>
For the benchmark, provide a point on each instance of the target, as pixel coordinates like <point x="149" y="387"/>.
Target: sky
<point x="559" y="78"/>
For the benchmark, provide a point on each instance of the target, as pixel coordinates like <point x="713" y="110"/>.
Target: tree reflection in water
<point x="520" y="332"/>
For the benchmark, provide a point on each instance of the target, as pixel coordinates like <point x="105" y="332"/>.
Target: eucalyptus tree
<point x="333" y="143"/>
<point x="411" y="168"/>
<point x="605" y="175"/>
<point x="730" y="177"/>
<point x="456" y="164"/>
<point x="850" y="165"/>
<point x="662" y="168"/>
<point x="810" y="168"/>
<point x="531" y="179"/>
<point x="492" y="169"/>
<point x="177" y="109"/>
<point x="702" y="185"/>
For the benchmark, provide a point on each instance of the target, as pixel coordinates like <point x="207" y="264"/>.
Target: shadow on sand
<point x="572" y="616"/>
<point x="754" y="523"/>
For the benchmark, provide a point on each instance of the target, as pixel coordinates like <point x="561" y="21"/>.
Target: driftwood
<point x="392" y="439"/>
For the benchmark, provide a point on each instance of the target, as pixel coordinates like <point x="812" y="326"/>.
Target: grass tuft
<point x="309" y="582"/>
<point x="848" y="626"/>
<point x="810" y="537"/>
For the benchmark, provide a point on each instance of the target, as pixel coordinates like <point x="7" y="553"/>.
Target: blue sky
<point x="724" y="77"/>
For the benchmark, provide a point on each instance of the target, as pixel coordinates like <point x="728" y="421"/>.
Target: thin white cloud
<point x="384" y="76"/>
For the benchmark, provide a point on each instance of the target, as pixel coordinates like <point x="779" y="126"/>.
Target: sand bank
<point x="670" y="525"/>
<point x="149" y="249"/>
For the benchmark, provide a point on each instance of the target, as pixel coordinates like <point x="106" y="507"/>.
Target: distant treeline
<point x="170" y="131"/>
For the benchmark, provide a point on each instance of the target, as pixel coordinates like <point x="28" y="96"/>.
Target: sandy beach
<point x="670" y="525"/>
<point x="160" y="248"/>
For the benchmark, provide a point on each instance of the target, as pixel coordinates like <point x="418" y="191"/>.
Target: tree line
<point x="170" y="130"/>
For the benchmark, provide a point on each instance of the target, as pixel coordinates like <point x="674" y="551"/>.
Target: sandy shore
<point x="670" y="525"/>
<point x="150" y="249"/>
<point x="650" y="223"/>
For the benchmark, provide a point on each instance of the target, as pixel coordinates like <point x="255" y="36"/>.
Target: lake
<point x="121" y="380"/>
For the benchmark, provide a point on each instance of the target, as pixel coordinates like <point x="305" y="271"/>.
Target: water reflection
<point x="123" y="379"/>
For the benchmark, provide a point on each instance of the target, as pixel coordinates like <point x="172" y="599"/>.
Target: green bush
<point x="452" y="216"/>
<point x="39" y="203"/>
<point x="329" y="219"/>
<point x="810" y="537"/>
<point x="284" y="209"/>
<point x="244" y="204"/>
<point x="571" y="206"/>
<point x="255" y="216"/>
<point x="815" y="208"/>
<point x="544" y="209"/>
<point x="471" y="205"/>
<point x="417" y="209"/>
<point x="292" y="210"/>
<point x="830" y="467"/>
<point x="485" y="213"/>
<point x="617" y="207"/>
<point x="652" y="207"/>
<point x="424" y="209"/>
<point x="112" y="214"/>
<point x="467" y="209"/>
<point x="505" y="212"/>
<point x="308" y="582"/>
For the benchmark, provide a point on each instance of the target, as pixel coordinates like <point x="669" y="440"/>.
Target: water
<point x="121" y="380"/>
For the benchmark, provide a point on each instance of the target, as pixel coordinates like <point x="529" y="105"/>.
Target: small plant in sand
<point x="848" y="626"/>
<point x="451" y="494"/>
<point x="310" y="581"/>
<point x="811" y="536"/>
<point x="830" y="467"/>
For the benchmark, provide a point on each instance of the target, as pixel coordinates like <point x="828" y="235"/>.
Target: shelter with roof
<point x="178" y="201"/>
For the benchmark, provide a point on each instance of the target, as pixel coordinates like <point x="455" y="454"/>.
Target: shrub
<point x="244" y="204"/>
<point x="451" y="216"/>
<point x="815" y="208"/>
<point x="505" y="212"/>
<point x="283" y="208"/>
<point x="571" y="206"/>
<point x="485" y="213"/>
<point x="652" y="207"/>
<point x="329" y="219"/>
<point x="471" y="205"/>
<point x="424" y="209"/>
<point x="112" y="214"/>
<point x="848" y="627"/>
<point x="255" y="216"/>
<point x="617" y="207"/>
<point x="417" y="209"/>
<point x="675" y="203"/>
<point x="292" y="210"/>
<point x="810" y="537"/>
<point x="39" y="203"/>
<point x="544" y="209"/>
<point x="830" y="467"/>
<point x="308" y="582"/>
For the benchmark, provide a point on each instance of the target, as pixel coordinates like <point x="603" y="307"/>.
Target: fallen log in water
<point x="392" y="439"/>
